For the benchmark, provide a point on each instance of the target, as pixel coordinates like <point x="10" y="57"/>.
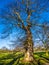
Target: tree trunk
<point x="29" y="51"/>
<point x="46" y="52"/>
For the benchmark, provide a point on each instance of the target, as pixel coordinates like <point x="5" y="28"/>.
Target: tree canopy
<point x="24" y="14"/>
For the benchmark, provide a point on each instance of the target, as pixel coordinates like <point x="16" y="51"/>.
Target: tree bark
<point x="46" y="52"/>
<point x="29" y="51"/>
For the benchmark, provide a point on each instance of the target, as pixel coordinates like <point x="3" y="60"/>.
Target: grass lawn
<point x="16" y="59"/>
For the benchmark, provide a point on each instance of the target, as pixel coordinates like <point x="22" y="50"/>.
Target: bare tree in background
<point x="44" y="36"/>
<point x="24" y="14"/>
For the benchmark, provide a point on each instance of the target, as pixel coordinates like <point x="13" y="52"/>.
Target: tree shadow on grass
<point x="15" y="59"/>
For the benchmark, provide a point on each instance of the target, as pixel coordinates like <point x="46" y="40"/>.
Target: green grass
<point x="16" y="58"/>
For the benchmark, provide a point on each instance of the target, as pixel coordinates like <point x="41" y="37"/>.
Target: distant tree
<point x="44" y="36"/>
<point x="24" y="14"/>
<point x="4" y="48"/>
<point x="46" y="39"/>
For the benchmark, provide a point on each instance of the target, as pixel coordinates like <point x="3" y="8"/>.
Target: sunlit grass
<point x="4" y="62"/>
<point x="17" y="57"/>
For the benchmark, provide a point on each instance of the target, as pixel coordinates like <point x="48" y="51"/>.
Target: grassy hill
<point x="15" y="58"/>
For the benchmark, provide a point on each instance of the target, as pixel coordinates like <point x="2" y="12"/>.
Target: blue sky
<point x="6" y="42"/>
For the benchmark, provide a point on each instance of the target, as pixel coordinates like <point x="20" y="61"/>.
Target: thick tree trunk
<point x="46" y="52"/>
<point x="29" y="51"/>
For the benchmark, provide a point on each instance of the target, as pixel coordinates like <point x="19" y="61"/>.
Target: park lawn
<point x="5" y="62"/>
<point x="16" y="58"/>
<point x="3" y="55"/>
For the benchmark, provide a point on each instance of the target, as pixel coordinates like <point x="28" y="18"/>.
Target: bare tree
<point x="24" y="14"/>
<point x="44" y="36"/>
